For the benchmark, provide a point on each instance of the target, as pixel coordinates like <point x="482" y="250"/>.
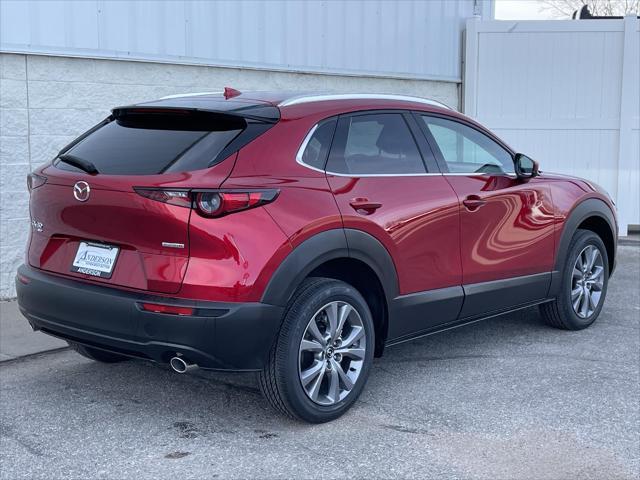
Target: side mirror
<point x="526" y="168"/>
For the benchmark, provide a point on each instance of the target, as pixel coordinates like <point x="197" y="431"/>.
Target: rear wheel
<point x="584" y="284"/>
<point x="321" y="360"/>
<point x="97" y="354"/>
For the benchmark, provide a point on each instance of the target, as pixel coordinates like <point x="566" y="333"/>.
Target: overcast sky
<point x="520" y="10"/>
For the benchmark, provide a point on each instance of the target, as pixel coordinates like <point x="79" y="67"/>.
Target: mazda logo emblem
<point x="81" y="191"/>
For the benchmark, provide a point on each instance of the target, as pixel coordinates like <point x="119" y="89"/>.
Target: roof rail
<point x="360" y="96"/>
<point x="196" y="94"/>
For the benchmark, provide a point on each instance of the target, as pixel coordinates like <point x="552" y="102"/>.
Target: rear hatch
<point x="102" y="214"/>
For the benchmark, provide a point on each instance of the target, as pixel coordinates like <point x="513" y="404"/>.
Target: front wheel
<point x="321" y="360"/>
<point x="584" y="284"/>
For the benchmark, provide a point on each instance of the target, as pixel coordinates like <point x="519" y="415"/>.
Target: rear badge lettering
<point x="172" y="245"/>
<point x="37" y="226"/>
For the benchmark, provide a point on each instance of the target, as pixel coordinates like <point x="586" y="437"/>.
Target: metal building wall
<point x="404" y="39"/>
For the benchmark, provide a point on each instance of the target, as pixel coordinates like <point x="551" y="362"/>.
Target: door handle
<point x="364" y="204"/>
<point x="473" y="202"/>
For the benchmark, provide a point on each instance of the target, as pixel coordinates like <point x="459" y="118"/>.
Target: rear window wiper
<point x="80" y="163"/>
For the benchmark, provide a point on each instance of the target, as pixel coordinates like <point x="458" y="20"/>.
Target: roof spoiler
<point x="261" y="113"/>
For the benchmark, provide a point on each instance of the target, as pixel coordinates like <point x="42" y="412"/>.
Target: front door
<point x="386" y="183"/>
<point x="506" y="225"/>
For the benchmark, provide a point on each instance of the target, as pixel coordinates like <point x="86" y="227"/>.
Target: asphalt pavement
<point x="507" y="398"/>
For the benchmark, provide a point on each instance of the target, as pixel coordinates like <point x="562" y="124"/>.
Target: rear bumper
<point x="220" y="336"/>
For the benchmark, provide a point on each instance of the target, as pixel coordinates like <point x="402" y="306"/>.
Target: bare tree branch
<point x="608" y="8"/>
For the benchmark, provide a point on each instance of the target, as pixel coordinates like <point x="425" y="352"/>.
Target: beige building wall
<point x="47" y="101"/>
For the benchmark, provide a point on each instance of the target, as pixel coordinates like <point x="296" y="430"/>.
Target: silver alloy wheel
<point x="332" y="352"/>
<point x="587" y="281"/>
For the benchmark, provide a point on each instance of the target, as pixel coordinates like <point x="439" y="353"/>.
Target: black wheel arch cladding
<point x="323" y="247"/>
<point x="586" y="210"/>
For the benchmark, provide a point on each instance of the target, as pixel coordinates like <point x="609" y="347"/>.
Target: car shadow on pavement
<point x="138" y="387"/>
<point x="468" y="399"/>
<point x="508" y="397"/>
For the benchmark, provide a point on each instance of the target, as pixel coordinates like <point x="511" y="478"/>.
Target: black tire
<point x="280" y="381"/>
<point x="97" y="354"/>
<point x="560" y="312"/>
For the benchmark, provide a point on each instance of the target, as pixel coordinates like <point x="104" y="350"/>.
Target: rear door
<point x="506" y="225"/>
<point x="385" y="183"/>
<point x="114" y="226"/>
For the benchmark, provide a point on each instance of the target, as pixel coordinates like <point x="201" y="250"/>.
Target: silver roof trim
<point x="197" y="94"/>
<point x="360" y="96"/>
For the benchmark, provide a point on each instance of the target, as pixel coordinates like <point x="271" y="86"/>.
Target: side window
<point x="375" y="144"/>
<point x="466" y="150"/>
<point x="317" y="148"/>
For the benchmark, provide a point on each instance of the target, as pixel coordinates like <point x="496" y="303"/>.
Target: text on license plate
<point x="94" y="259"/>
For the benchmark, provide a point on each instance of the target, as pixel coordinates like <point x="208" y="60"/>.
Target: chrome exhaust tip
<point x="180" y="365"/>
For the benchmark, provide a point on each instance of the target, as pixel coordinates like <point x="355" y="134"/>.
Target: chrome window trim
<point x="360" y="96"/>
<point x="366" y="175"/>
<point x="307" y="139"/>
<point x="479" y="174"/>
<point x="303" y="147"/>
<point x="439" y="174"/>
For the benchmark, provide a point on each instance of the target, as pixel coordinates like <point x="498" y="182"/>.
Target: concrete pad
<point x="506" y="398"/>
<point x="16" y="337"/>
<point x="633" y="239"/>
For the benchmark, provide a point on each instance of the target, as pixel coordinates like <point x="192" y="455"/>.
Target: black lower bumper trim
<point x="221" y="336"/>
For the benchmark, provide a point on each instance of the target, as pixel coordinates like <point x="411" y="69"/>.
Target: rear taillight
<point x="211" y="203"/>
<point x="34" y="181"/>
<point x="22" y="279"/>
<point x="217" y="204"/>
<point x="208" y="203"/>
<point x="167" y="309"/>
<point x="182" y="198"/>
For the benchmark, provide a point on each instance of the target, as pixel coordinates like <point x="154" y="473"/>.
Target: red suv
<point x="299" y="235"/>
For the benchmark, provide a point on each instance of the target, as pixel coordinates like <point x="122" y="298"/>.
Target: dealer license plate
<point x="95" y="259"/>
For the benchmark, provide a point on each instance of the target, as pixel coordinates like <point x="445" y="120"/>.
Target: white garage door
<point x="564" y="92"/>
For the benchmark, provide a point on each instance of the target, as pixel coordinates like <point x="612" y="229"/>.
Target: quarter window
<point x="317" y="148"/>
<point x="375" y="144"/>
<point x="466" y="150"/>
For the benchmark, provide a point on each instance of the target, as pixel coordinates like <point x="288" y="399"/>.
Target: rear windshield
<point x="152" y="144"/>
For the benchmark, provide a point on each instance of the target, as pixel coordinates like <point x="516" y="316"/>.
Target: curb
<point x="629" y="242"/>
<point x="32" y="355"/>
